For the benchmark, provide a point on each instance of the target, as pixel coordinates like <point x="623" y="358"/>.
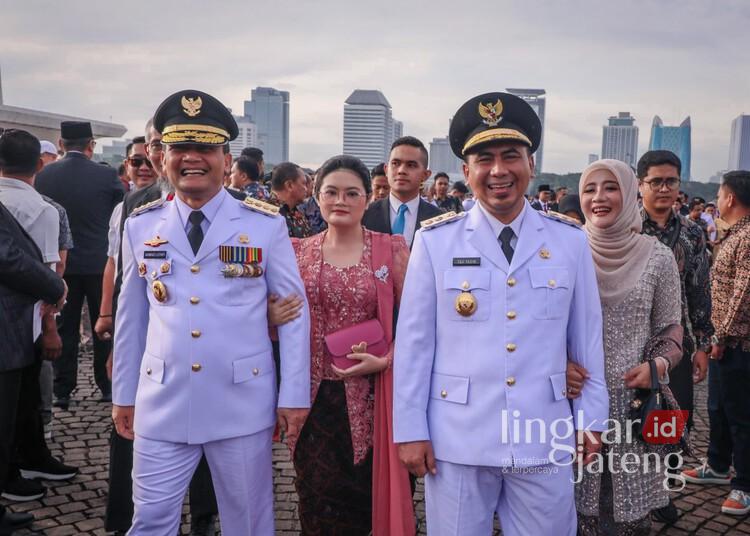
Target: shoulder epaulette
<point x="256" y="205"/>
<point x="152" y="205"/>
<point x="562" y="218"/>
<point x="442" y="219"/>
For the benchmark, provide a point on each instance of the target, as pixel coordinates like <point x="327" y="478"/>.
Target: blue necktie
<point x="400" y="223"/>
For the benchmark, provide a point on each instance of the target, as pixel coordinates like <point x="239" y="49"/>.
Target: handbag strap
<point x="654" y="375"/>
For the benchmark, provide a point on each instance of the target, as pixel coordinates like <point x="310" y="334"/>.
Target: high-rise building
<point x="675" y="139"/>
<point x="620" y="139"/>
<point x="443" y="159"/>
<point x="739" y="143"/>
<point x="536" y="99"/>
<point x="398" y="129"/>
<point x="369" y="126"/>
<point x="268" y="108"/>
<point x="247" y="137"/>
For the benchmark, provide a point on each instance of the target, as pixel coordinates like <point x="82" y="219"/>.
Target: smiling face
<point x="138" y="167"/>
<point x="601" y="198"/>
<point x="342" y="199"/>
<point x="499" y="176"/>
<point x="196" y="170"/>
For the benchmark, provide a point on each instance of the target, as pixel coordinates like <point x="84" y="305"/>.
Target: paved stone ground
<point x="81" y="438"/>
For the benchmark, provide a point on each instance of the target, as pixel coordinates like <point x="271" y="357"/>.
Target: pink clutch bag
<point x="340" y="343"/>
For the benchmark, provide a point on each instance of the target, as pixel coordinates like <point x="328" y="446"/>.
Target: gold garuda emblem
<point x="191" y="106"/>
<point x="491" y="113"/>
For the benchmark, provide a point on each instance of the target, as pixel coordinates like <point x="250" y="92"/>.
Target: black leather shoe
<point x="204" y="525"/>
<point x="13" y="521"/>
<point x="667" y="515"/>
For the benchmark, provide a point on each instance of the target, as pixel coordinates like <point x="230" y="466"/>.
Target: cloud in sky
<point x="672" y="58"/>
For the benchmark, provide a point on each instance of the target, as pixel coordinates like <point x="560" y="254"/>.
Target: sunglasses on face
<point x="138" y="161"/>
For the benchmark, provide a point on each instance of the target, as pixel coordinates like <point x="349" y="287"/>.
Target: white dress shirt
<point x="209" y="211"/>
<point x="498" y="226"/>
<point x="411" y="216"/>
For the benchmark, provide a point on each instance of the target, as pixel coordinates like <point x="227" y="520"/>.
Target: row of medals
<point x="159" y="289"/>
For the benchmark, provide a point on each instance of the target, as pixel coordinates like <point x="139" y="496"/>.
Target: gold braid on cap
<point x="495" y="134"/>
<point x="194" y="133"/>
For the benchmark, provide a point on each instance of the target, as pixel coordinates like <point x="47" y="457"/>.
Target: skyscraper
<point x="247" y="137"/>
<point x="443" y="159"/>
<point x="675" y="139"/>
<point x="620" y="139"/>
<point x="368" y="126"/>
<point x="739" y="143"/>
<point x="536" y="99"/>
<point x="268" y="108"/>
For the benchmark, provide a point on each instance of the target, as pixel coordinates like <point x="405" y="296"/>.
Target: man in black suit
<point x="546" y="200"/>
<point x="403" y="211"/>
<point x="89" y="192"/>
<point x="24" y="280"/>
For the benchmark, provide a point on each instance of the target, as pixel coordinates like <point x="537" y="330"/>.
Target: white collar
<point x="497" y="226"/>
<point x="411" y="204"/>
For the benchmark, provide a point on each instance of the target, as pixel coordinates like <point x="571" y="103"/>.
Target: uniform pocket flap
<point x="153" y="368"/>
<point x="248" y="368"/>
<point x="548" y="277"/>
<point x="466" y="279"/>
<point x="559" y="386"/>
<point x="449" y="388"/>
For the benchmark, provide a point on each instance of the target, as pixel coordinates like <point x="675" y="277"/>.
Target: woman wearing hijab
<point x="639" y="287"/>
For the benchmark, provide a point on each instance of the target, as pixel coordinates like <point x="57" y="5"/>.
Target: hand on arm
<point x="575" y="376"/>
<point x="640" y="376"/>
<point x="282" y="311"/>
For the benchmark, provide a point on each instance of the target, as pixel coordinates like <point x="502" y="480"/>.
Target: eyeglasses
<point x="155" y="146"/>
<point x="350" y="196"/>
<point x="138" y="161"/>
<point x="672" y="183"/>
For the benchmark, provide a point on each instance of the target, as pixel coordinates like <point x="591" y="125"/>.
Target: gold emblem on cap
<point x="243" y="238"/>
<point x="466" y="304"/>
<point x="491" y="113"/>
<point x="160" y="291"/>
<point x="191" y="106"/>
<point x="544" y="253"/>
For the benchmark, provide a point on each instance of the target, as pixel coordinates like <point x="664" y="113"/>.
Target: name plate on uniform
<point x="467" y="261"/>
<point x="240" y="254"/>
<point x="154" y="254"/>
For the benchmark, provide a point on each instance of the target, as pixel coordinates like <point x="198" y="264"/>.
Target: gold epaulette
<point x="562" y="218"/>
<point x="152" y="205"/>
<point x="437" y="221"/>
<point x="257" y="205"/>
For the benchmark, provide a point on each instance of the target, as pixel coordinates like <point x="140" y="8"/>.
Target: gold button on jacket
<point x="196" y="367"/>
<point x="511" y="381"/>
<point x="195" y="333"/>
<point x="511" y="281"/>
<point x="511" y="315"/>
<point x="443" y="393"/>
<point x="195" y="300"/>
<point x="510" y="347"/>
<point x="195" y="268"/>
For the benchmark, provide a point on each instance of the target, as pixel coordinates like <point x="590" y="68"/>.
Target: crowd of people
<point x="387" y="324"/>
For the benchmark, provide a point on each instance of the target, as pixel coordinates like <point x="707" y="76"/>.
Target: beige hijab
<point x="620" y="251"/>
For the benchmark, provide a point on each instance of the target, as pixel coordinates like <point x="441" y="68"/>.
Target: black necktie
<point x="506" y="235"/>
<point x="195" y="234"/>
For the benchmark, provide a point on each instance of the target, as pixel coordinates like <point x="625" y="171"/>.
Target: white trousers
<point x="241" y="472"/>
<point x="461" y="500"/>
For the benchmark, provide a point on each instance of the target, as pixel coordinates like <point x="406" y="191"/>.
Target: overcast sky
<point x="117" y="62"/>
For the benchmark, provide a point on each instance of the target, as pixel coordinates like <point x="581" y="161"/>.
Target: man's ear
<point x="532" y="165"/>
<point x="227" y="163"/>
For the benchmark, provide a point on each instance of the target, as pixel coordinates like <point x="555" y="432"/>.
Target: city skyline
<point x="620" y="139"/>
<point x="106" y="62"/>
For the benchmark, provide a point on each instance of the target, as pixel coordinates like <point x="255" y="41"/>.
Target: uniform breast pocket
<point x="159" y="279"/>
<point x="240" y="290"/>
<point x="466" y="292"/>
<point x="550" y="292"/>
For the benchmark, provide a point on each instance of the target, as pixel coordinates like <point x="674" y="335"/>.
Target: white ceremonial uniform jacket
<point x="199" y="366"/>
<point x="470" y="384"/>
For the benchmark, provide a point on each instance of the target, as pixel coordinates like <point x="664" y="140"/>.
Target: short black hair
<point x="699" y="198"/>
<point x="249" y="167"/>
<point x="695" y="203"/>
<point x="412" y="142"/>
<point x="441" y="175"/>
<point x="460" y="187"/>
<point x="348" y="163"/>
<point x="657" y="158"/>
<point x="137" y="139"/>
<point x="713" y="205"/>
<point x="20" y="152"/>
<point x="286" y="171"/>
<point x="254" y="153"/>
<point x="738" y="182"/>
<point x="378" y="170"/>
<point x="78" y="144"/>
